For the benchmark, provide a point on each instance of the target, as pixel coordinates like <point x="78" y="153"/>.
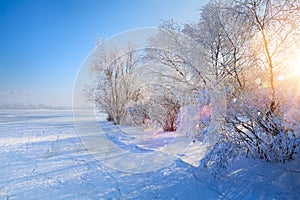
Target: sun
<point x="294" y="71"/>
<point x="291" y="74"/>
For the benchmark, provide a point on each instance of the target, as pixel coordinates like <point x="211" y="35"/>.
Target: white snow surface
<point x="42" y="157"/>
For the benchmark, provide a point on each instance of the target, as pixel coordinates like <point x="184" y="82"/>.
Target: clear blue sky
<point x="44" y="42"/>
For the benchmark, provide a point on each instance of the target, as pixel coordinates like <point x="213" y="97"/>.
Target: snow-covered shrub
<point x="163" y="109"/>
<point x="291" y="107"/>
<point x="263" y="133"/>
<point x="221" y="156"/>
<point x="283" y="146"/>
<point x="154" y="107"/>
<point x="137" y="115"/>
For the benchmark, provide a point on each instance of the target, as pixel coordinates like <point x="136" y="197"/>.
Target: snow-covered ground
<point x="43" y="157"/>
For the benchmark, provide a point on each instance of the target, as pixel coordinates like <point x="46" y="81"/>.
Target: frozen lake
<point x="42" y="157"/>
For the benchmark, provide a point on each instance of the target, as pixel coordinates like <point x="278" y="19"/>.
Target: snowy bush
<point x="264" y="134"/>
<point x="137" y="115"/>
<point x="221" y="156"/>
<point x="164" y="110"/>
<point x="154" y="107"/>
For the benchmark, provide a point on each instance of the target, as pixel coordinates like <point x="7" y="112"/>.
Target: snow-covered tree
<point x="223" y="33"/>
<point x="179" y="62"/>
<point x="275" y="27"/>
<point x="256" y="120"/>
<point x="116" y="77"/>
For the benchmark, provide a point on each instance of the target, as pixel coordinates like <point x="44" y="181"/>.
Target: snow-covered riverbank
<point x="42" y="157"/>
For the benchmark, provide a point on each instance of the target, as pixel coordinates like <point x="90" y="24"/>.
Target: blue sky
<point x="44" y="42"/>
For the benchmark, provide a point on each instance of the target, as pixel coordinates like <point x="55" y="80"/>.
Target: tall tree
<point x="274" y="28"/>
<point x="223" y="33"/>
<point x="116" y="77"/>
